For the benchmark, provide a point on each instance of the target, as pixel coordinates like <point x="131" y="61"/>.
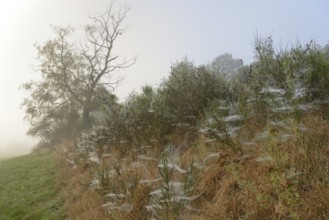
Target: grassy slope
<point x="28" y="188"/>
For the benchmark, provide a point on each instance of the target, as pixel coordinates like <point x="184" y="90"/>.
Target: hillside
<point x="221" y="140"/>
<point x="28" y="188"/>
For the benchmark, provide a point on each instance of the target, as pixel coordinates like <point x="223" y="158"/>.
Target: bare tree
<point x="74" y="74"/>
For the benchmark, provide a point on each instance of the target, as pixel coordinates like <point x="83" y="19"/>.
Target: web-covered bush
<point x="146" y="116"/>
<point x="189" y="89"/>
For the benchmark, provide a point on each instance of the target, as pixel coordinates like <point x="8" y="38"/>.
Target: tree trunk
<point x="86" y="121"/>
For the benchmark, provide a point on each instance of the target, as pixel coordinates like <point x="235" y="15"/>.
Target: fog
<point x="14" y="141"/>
<point x="159" y="33"/>
<point x="14" y="149"/>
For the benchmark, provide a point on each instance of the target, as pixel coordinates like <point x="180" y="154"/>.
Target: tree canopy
<point x="75" y="76"/>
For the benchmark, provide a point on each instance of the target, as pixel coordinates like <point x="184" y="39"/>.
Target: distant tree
<point x="73" y="75"/>
<point x="226" y="66"/>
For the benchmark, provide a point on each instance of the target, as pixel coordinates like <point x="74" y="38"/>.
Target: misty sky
<point x="159" y="33"/>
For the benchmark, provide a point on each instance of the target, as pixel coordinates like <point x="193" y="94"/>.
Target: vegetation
<point x="204" y="146"/>
<point x="76" y="78"/>
<point x="28" y="188"/>
<point x="215" y="141"/>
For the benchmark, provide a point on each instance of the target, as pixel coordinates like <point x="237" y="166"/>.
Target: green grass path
<point x="28" y="188"/>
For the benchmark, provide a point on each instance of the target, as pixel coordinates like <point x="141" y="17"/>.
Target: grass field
<point x="28" y="188"/>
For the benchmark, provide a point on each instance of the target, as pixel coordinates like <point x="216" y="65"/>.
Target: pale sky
<point x="159" y="33"/>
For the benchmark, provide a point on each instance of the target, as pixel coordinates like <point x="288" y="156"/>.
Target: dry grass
<point x="81" y="202"/>
<point x="292" y="184"/>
